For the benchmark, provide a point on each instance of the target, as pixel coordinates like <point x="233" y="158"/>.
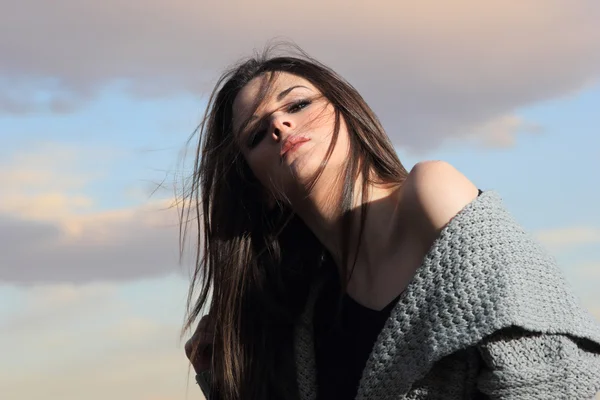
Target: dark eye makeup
<point x="298" y="106"/>
<point x="256" y="135"/>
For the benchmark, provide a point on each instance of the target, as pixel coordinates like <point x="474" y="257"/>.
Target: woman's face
<point x="288" y="136"/>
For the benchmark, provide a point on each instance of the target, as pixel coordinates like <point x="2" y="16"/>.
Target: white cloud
<point x="566" y="238"/>
<point x="431" y="69"/>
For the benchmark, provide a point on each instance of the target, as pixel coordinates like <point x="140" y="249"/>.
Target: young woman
<point x="332" y="273"/>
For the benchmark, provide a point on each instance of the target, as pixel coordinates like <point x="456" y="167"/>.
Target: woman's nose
<point x="280" y="126"/>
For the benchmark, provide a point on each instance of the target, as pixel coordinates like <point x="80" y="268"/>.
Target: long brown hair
<point x="248" y="262"/>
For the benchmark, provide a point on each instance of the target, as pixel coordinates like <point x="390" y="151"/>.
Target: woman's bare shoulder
<point x="434" y="193"/>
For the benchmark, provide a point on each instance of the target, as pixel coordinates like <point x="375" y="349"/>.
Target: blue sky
<point x="90" y="127"/>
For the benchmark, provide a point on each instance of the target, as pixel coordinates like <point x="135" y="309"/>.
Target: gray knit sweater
<point x="487" y="315"/>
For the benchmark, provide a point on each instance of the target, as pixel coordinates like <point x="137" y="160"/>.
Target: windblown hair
<point x="250" y="268"/>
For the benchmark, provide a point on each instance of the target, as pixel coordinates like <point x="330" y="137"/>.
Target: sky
<point x="98" y="99"/>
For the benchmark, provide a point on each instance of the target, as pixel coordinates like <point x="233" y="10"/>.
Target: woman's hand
<point x="202" y="340"/>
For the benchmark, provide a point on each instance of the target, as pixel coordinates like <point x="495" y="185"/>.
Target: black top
<point x="345" y="333"/>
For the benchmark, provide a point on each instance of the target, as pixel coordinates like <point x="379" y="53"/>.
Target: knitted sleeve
<point x="524" y="365"/>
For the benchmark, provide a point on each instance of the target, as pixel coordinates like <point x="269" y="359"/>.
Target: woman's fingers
<point x="198" y="348"/>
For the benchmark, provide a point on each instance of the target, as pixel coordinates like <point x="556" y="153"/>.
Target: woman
<point x="335" y="274"/>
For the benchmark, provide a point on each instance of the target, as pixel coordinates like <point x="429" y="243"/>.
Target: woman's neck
<point x="380" y="231"/>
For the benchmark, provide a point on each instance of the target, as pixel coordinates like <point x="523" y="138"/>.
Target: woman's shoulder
<point x="434" y="192"/>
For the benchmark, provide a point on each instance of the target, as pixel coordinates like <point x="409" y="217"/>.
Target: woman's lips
<point x="291" y="144"/>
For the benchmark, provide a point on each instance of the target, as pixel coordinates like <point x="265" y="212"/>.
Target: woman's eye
<point x="298" y="106"/>
<point x="256" y="137"/>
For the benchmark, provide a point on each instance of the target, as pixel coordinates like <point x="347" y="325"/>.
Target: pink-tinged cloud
<point x="52" y="229"/>
<point x="430" y="69"/>
<point x="104" y="247"/>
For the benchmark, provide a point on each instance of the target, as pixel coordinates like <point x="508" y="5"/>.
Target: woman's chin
<point x="304" y="166"/>
<point x="299" y="172"/>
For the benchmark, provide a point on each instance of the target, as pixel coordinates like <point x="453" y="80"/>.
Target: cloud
<point x="51" y="167"/>
<point x="42" y="165"/>
<point x="431" y="69"/>
<point x="596" y="313"/>
<point x="152" y="369"/>
<point x="501" y="132"/>
<point x="584" y="277"/>
<point x="59" y="304"/>
<point x="561" y="239"/>
<point x="589" y="271"/>
<point x="53" y="232"/>
<point x="89" y="341"/>
<point x="46" y="182"/>
<point x="104" y="246"/>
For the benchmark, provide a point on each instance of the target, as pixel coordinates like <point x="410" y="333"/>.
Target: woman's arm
<point x="199" y="351"/>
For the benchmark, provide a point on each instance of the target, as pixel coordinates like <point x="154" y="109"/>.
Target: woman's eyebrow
<point x="280" y="97"/>
<point x="287" y="91"/>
